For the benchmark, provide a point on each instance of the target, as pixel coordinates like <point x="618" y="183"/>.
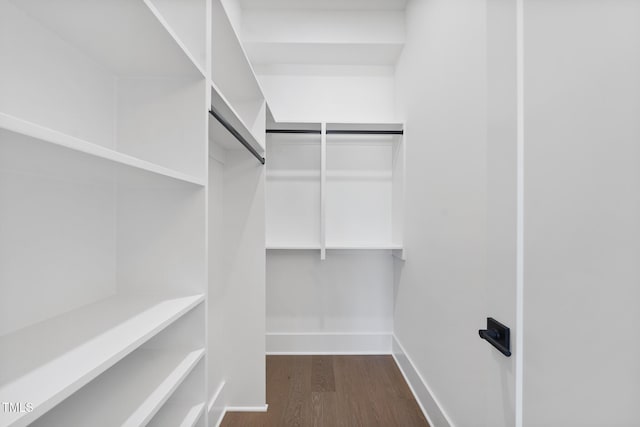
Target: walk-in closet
<point x="358" y="213"/>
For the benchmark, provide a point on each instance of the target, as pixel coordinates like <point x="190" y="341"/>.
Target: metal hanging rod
<point x="365" y="132"/>
<point x="339" y="132"/>
<point x="236" y="134"/>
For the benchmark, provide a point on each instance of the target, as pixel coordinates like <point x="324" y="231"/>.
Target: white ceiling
<point x="325" y="4"/>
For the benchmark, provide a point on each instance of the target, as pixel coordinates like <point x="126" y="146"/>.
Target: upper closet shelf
<point x="39" y="369"/>
<point x="222" y="136"/>
<point x="364" y="246"/>
<point x="128" y="37"/>
<point x="231" y="69"/>
<point x="191" y="28"/>
<point x="60" y="139"/>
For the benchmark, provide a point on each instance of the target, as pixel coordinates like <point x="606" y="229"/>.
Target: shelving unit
<point x="130" y="394"/>
<point x="134" y="91"/>
<point x="103" y="176"/>
<point x="235" y="91"/>
<point x="88" y="341"/>
<point x="339" y="190"/>
<point x="185" y="408"/>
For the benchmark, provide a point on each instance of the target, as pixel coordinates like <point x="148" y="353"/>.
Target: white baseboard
<point x="216" y="407"/>
<point x="328" y="343"/>
<point x="421" y="391"/>
<point x="261" y="408"/>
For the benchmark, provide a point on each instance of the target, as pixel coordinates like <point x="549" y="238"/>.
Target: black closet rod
<point x="339" y="132"/>
<point x="365" y="132"/>
<point x="236" y="134"/>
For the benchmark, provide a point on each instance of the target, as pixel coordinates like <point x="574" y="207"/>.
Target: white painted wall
<point x="454" y="235"/>
<point x="350" y="292"/>
<point x="296" y="25"/>
<point x="329" y="93"/>
<point x="582" y="213"/>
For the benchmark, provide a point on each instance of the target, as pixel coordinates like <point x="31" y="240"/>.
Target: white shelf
<point x="48" y="361"/>
<point x="124" y="35"/>
<point x="364" y="246"/>
<point x="292" y="247"/>
<point x="222" y="136"/>
<point x="42" y="133"/>
<point x="341" y="246"/>
<point x="174" y="34"/>
<point x="129" y="394"/>
<point x="174" y="415"/>
<point x="231" y="68"/>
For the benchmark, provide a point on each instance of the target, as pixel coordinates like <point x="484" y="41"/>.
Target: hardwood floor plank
<point x="323" y="409"/>
<point x="297" y="409"/>
<point x="322" y="374"/>
<point x="334" y="391"/>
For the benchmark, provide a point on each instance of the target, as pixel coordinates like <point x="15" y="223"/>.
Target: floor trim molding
<point x="261" y="408"/>
<point x="427" y="401"/>
<point x="337" y="343"/>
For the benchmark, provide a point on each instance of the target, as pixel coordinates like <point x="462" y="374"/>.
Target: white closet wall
<point x="333" y="93"/>
<point x="441" y="290"/>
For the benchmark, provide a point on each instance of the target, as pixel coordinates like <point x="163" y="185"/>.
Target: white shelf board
<point x="364" y="246"/>
<point x="46" y="362"/>
<point x="129" y="394"/>
<point x="123" y="35"/>
<point x="42" y="133"/>
<point x="219" y="134"/>
<point x="175" y="37"/>
<point x="365" y="126"/>
<point x="292" y="247"/>
<point x="178" y="415"/>
<point x="231" y="68"/>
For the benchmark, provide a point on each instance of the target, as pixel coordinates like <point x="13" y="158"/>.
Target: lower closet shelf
<point x="178" y="415"/>
<point x="129" y="394"/>
<point x="45" y="363"/>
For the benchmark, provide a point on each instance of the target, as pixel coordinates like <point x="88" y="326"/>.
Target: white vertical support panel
<point x="398" y="196"/>
<point x="323" y="191"/>
<point x="208" y="355"/>
<point x="209" y="57"/>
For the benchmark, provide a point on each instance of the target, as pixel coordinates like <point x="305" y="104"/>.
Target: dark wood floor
<point x="333" y="391"/>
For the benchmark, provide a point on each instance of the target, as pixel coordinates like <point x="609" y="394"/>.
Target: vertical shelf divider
<point x="323" y="190"/>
